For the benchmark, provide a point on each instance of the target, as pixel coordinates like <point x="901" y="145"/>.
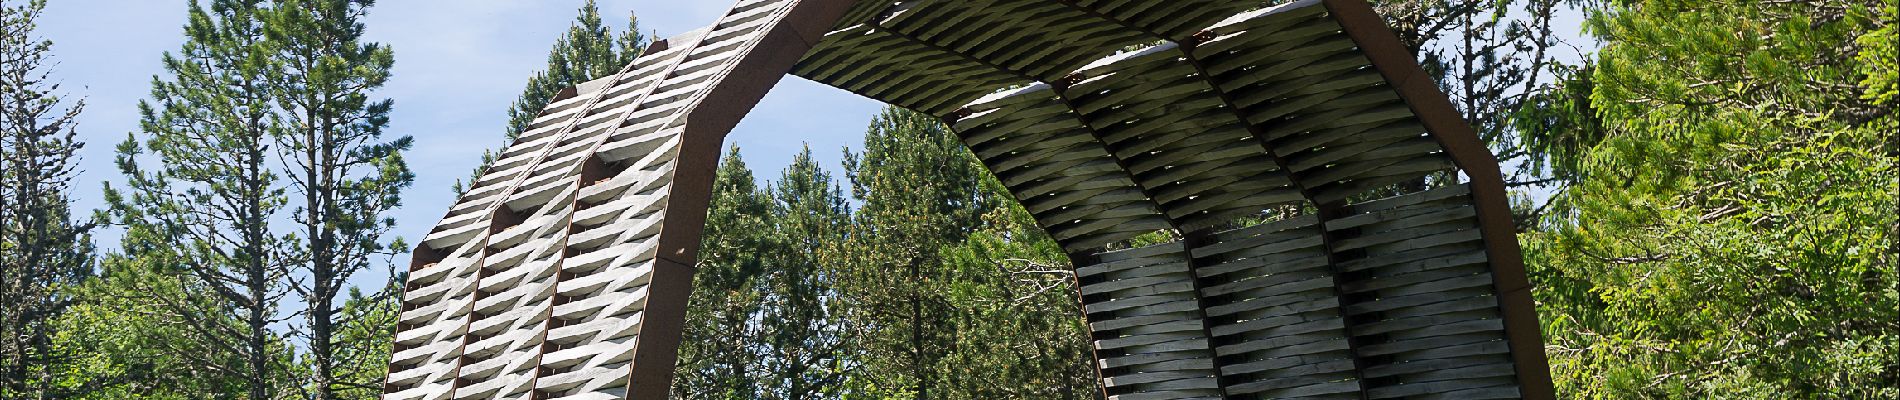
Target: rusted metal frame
<point x="1444" y="124"/>
<point x="1075" y="258"/>
<point x="734" y="91"/>
<point x="1326" y="212"/>
<point x="502" y="201"/>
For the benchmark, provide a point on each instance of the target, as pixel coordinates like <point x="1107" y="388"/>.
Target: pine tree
<point x="1495" y="60"/>
<point x="346" y="174"/>
<point x="367" y="324"/>
<point x="799" y="337"/>
<point x="717" y="356"/>
<point x="43" y="251"/>
<point x="946" y="288"/>
<point x="920" y="191"/>
<point x="588" y="51"/>
<point x="203" y="213"/>
<point x="1021" y="333"/>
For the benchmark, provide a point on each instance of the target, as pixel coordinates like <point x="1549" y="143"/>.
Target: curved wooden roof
<point x="1107" y="119"/>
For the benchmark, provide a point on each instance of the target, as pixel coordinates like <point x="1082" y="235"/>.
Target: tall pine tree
<point x="203" y="212"/>
<point x="949" y="290"/>
<point x="920" y="191"/>
<point x="1021" y="334"/>
<point x="346" y="175"/>
<point x="800" y="338"/>
<point x="43" y="251"/>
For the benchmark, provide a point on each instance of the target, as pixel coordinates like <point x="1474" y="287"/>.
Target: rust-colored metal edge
<point x="707" y="122"/>
<point x="1443" y="123"/>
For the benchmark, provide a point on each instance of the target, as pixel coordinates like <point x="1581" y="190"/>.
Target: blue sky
<point x="459" y="64"/>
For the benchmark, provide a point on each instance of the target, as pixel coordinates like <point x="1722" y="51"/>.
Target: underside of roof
<point x="1339" y="232"/>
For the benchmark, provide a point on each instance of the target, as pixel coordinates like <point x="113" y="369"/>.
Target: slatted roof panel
<point x="1114" y="119"/>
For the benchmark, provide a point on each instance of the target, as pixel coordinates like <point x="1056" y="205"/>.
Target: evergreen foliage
<point x="933" y="286"/>
<point x="920" y="191"/>
<point x="264" y="120"/>
<point x="200" y="211"/>
<point x="717" y="360"/>
<point x="1492" y="58"/>
<point x="43" y="250"/>
<point x="800" y="336"/>
<point x="347" y="177"/>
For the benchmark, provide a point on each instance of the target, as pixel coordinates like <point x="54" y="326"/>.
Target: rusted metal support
<point x="1442" y="120"/>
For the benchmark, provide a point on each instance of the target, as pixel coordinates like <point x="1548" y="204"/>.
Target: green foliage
<point x="1021" y="335"/>
<point x="948" y="290"/>
<point x="347" y="177"/>
<point x="1730" y="231"/>
<point x="1725" y="223"/>
<point x="43" y="251"/>
<point x="799" y="335"/>
<point x="202" y="214"/>
<point x="264" y="119"/>
<point x="919" y="191"/>
<point x="129" y="342"/>
<point x="932" y="287"/>
<point x="1493" y="59"/>
<point x="367" y="327"/>
<point x="758" y="326"/>
<point x="588" y="51"/>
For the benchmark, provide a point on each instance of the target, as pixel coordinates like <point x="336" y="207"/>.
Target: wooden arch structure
<point x="564" y="272"/>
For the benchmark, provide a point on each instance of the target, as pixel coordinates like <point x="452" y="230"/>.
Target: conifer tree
<point x="1021" y="332"/>
<point x="204" y="211"/>
<point x="129" y="338"/>
<point x="1494" y="59"/>
<point x="366" y="324"/>
<point x="920" y="191"/>
<point x="800" y="339"/>
<point x="346" y="176"/>
<point x="43" y="251"/>
<point x="589" y="50"/>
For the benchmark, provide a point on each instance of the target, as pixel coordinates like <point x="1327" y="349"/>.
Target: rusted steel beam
<point x="1442" y="120"/>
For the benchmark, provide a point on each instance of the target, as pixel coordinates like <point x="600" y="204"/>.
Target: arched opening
<point x="1381" y="275"/>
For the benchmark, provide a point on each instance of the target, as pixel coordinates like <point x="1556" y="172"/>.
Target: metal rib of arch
<point x="564" y="272"/>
